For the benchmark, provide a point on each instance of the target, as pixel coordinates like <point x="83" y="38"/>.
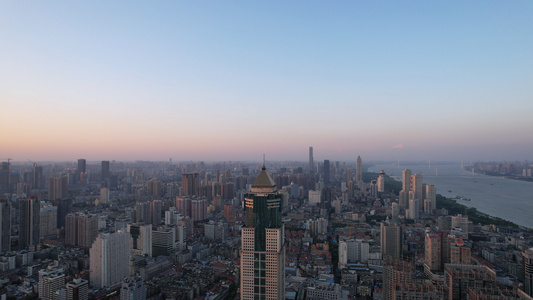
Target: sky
<point x="231" y="80"/>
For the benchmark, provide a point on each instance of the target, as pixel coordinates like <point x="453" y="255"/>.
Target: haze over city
<point x="232" y="80"/>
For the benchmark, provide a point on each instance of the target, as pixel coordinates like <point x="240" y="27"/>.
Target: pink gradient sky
<point x="231" y="81"/>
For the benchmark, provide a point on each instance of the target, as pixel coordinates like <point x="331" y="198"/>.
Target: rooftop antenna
<point x="264" y="167"/>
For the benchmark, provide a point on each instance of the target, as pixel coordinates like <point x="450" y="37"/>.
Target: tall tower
<point x="311" y="162"/>
<point x="262" y="251"/>
<point x="5" y="226"/>
<point x="406" y="187"/>
<point x="110" y="259"/>
<point x="326" y="171"/>
<point x="359" y="170"/>
<point x="433" y="252"/>
<point x="30" y="220"/>
<point x="417" y="187"/>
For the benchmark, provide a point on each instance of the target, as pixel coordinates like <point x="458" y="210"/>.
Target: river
<point x="497" y="196"/>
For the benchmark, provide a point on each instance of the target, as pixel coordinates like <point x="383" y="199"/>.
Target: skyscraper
<point x="189" y="184"/>
<point x="82" y="165"/>
<point x="109" y="259"/>
<point x="4" y="177"/>
<point x="104" y="173"/>
<point x="37" y="179"/>
<point x="311" y="162"/>
<point x="57" y="188"/>
<point x="48" y="223"/>
<point x="82" y="170"/>
<point x="263" y="252"/>
<point x="417" y="187"/>
<point x="5" y="226"/>
<point x="81" y="230"/>
<point x="326" y="171"/>
<point x="406" y="187"/>
<point x="431" y="195"/>
<point x="359" y="170"/>
<point x="30" y="215"/>
<point x="433" y="252"/>
<point x="155" y="210"/>
<point x="528" y="271"/>
<point x="391" y="239"/>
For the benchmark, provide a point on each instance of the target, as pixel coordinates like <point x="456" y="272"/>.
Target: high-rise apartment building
<point x="359" y="170"/>
<point x="5" y="226"/>
<point x="155" y="211"/>
<point x="391" y="239"/>
<point x="78" y="289"/>
<point x="5" y="175"/>
<point x="48" y="224"/>
<point x="190" y="184"/>
<point x="311" y="161"/>
<point x="460" y="278"/>
<point x="57" y="188"/>
<point x="143" y="213"/>
<point x="109" y="258"/>
<point x="418" y="188"/>
<point x="433" y="252"/>
<point x="199" y="209"/>
<point x="263" y="252"/>
<point x="81" y="230"/>
<point x="431" y="195"/>
<point x="64" y="207"/>
<point x="30" y="220"/>
<point x="50" y="281"/>
<point x="528" y="271"/>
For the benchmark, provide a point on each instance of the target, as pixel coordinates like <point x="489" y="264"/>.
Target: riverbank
<point x="473" y="214"/>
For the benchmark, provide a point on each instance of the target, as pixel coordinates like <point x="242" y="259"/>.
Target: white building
<point x="109" y="259"/>
<point x="50" y="281"/>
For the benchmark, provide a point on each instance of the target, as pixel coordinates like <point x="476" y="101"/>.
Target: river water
<point x="508" y="199"/>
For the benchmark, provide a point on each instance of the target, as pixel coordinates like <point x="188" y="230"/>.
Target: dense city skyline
<point x="233" y="80"/>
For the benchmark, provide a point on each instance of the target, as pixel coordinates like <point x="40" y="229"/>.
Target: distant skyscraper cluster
<point x="415" y="196"/>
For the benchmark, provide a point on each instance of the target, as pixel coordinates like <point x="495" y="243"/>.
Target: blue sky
<point x="233" y="79"/>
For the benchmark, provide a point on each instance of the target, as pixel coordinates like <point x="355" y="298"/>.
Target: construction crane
<point x="8" y="160"/>
<point x="34" y="163"/>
